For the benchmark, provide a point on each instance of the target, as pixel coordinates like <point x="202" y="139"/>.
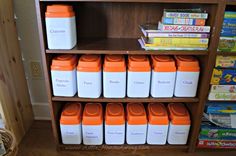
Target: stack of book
<point x="228" y="33"/>
<point x="179" y="29"/>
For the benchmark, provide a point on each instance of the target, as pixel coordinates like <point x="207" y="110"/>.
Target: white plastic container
<point x="70" y="124"/>
<point x="136" y="125"/>
<point x="163" y="76"/>
<point x="158" y="124"/>
<point x="139" y="74"/>
<point x="63" y="74"/>
<point x="179" y="124"/>
<point x="60" y="27"/>
<point x="92" y="124"/>
<point x="187" y="76"/>
<point x="114" y="76"/>
<point x="115" y="124"/>
<point x="89" y="76"/>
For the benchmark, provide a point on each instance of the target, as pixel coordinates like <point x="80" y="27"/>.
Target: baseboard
<point x="41" y="111"/>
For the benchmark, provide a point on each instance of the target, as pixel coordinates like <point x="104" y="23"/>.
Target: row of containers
<point x="161" y="76"/>
<point x="155" y="125"/>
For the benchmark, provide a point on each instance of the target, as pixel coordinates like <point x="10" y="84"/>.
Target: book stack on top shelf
<point x="179" y="29"/>
<point x="228" y="33"/>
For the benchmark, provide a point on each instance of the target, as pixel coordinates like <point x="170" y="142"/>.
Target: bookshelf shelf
<point x="226" y="53"/>
<point x="119" y="46"/>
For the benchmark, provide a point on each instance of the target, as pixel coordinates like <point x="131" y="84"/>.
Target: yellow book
<point x="179" y="41"/>
<point x="177" y="45"/>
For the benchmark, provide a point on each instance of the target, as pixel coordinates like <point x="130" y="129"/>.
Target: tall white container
<point x="70" y="124"/>
<point x="114" y="124"/>
<point x="179" y="124"/>
<point x="89" y="76"/>
<point x="187" y="76"/>
<point x="114" y="76"/>
<point x="139" y="74"/>
<point x="158" y="124"/>
<point x="63" y="74"/>
<point x="163" y="76"/>
<point x="92" y="124"/>
<point x="136" y="125"/>
<point x="60" y="27"/>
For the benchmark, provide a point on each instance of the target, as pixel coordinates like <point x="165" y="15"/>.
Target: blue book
<point x="220" y="108"/>
<point x="229" y="20"/>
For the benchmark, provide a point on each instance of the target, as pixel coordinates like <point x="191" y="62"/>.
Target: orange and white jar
<point x="63" y="74"/>
<point x="89" y="76"/>
<point x="60" y="26"/>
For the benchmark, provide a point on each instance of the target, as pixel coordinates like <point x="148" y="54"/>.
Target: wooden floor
<point x="39" y="142"/>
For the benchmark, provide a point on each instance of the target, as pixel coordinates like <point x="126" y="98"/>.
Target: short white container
<point x="187" y="76"/>
<point x="136" y="125"/>
<point x="92" y="124"/>
<point x="70" y="124"/>
<point x="158" y="124"/>
<point x="89" y="76"/>
<point x="179" y="124"/>
<point x="114" y="124"/>
<point x="63" y="74"/>
<point x="60" y="27"/>
<point x="114" y="76"/>
<point x="163" y="76"/>
<point x="139" y="74"/>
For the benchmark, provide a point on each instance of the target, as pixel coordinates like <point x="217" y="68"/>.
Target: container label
<point x="137" y="133"/>
<point x="62" y="82"/>
<point x="92" y="135"/>
<point x="163" y="82"/>
<point x="114" y="82"/>
<point x="187" y="82"/>
<point x="139" y="82"/>
<point x="88" y="83"/>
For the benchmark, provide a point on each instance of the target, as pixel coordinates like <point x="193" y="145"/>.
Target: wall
<point x="29" y="43"/>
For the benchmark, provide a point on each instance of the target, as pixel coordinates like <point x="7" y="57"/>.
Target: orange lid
<point x="92" y="114"/>
<point x="187" y="63"/>
<point x="157" y="114"/>
<point x="59" y="11"/>
<point x="114" y="63"/>
<point x="136" y="114"/>
<point x="89" y="63"/>
<point x="64" y="62"/>
<point x="138" y="63"/>
<point x="71" y="114"/>
<point x="115" y="114"/>
<point x="163" y="63"/>
<point x="179" y="114"/>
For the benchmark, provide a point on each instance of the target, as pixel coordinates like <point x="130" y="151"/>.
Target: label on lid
<point x="89" y="63"/>
<point x="114" y="63"/>
<point x="179" y="114"/>
<point x="92" y="114"/>
<point x="136" y="114"/>
<point x="157" y="114"/>
<point x="138" y="63"/>
<point x="71" y="114"/>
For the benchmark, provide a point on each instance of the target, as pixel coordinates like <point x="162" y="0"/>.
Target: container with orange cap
<point x="60" y="26"/>
<point x="187" y="76"/>
<point x="114" y="76"/>
<point x="70" y="123"/>
<point x="115" y="124"/>
<point x="89" y="76"/>
<point x="92" y="124"/>
<point x="179" y="124"/>
<point x="158" y="124"/>
<point x="139" y="74"/>
<point x="136" y="125"/>
<point x="63" y="74"/>
<point x="163" y="76"/>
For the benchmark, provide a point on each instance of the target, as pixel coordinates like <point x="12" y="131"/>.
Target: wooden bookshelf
<point x="100" y="32"/>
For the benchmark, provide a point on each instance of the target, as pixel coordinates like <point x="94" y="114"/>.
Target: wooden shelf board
<point x="226" y="53"/>
<point x="121" y="147"/>
<point x="119" y="46"/>
<point x="150" y="1"/>
<point x="231" y="2"/>
<point x="102" y="99"/>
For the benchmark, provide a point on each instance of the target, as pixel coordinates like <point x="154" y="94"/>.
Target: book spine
<point x="222" y="96"/>
<point x="183" y="21"/>
<point x="230" y="14"/>
<point x="185" y="15"/>
<point x="185" y="35"/>
<point x="182" y="28"/>
<point x="177" y="45"/>
<point x="217" y="144"/>
<point x="229" y="20"/>
<point x="223" y="89"/>
<point x="179" y="41"/>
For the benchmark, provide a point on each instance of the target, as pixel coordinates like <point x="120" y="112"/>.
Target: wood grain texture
<point x="16" y="108"/>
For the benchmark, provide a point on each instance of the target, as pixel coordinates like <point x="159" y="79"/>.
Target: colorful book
<point x="229" y="20"/>
<point x="183" y="28"/>
<point x="222" y="96"/>
<point x="225" y="61"/>
<point x="223" y="77"/>
<point x="221" y="108"/>
<point x="174" y="41"/>
<point x="169" y="44"/>
<point x="227" y="44"/>
<point x="230" y="14"/>
<point x="205" y="143"/>
<point x="166" y="48"/>
<point x="184" y="21"/>
<point x="181" y="13"/>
